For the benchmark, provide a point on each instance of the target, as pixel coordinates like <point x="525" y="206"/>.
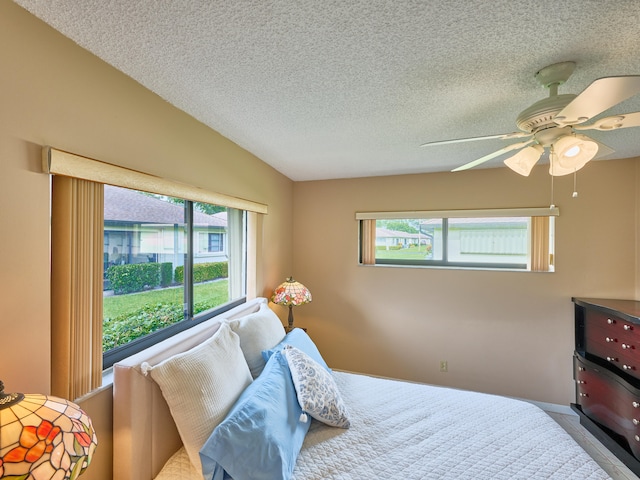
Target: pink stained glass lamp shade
<point x="291" y="293"/>
<point x="43" y="437"/>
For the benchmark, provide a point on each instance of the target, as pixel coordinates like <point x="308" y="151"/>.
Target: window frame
<point x="189" y="319"/>
<point x="445" y="216"/>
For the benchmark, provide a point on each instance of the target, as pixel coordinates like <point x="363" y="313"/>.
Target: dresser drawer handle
<point x="612" y="359"/>
<point x="635" y="404"/>
<point x="581" y="369"/>
<point x="582" y="382"/>
<point x="627" y="346"/>
<point x="609" y="339"/>
<point x="628" y="367"/>
<point x="610" y="321"/>
<point x="635" y="421"/>
<point x="628" y="327"/>
<point x="584" y="394"/>
<point x="637" y="437"/>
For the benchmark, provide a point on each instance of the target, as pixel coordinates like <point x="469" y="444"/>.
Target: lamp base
<point x="290" y="326"/>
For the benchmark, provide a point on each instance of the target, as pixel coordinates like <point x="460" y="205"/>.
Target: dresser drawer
<point x="613" y="339"/>
<point x="612" y="325"/>
<point x="609" y="400"/>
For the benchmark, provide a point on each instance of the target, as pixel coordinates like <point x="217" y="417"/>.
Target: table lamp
<point x="43" y="437"/>
<point x="291" y="294"/>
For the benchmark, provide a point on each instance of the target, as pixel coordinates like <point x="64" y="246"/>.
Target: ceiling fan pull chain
<point x="551" y="155"/>
<point x="575" y="184"/>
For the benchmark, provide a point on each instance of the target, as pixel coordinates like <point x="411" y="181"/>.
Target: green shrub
<point x="166" y="274"/>
<point x="129" y="326"/>
<point x="124" y="328"/>
<point x="204" y="271"/>
<point x="133" y="277"/>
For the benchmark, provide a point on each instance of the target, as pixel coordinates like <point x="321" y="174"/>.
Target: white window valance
<point x="483" y="213"/>
<point x="58" y="162"/>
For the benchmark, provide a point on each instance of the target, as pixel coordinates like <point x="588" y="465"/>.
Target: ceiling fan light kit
<point x="523" y="161"/>
<point x="551" y="123"/>
<point x="572" y="152"/>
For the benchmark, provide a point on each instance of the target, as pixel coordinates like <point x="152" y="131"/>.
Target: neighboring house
<point x="140" y="228"/>
<point x="486" y="239"/>
<point x="394" y="238"/>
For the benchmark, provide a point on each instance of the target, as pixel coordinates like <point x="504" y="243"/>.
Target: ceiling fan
<point x="553" y="123"/>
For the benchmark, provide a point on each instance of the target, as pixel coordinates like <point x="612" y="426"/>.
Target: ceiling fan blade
<point x="624" y="120"/>
<point x="502" y="136"/>
<point x="601" y="95"/>
<point x="495" y="154"/>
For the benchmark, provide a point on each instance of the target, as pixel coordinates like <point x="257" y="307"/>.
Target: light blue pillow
<point x="261" y="437"/>
<point x="298" y="338"/>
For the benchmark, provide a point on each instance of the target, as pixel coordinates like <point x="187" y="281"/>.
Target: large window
<point x="165" y="266"/>
<point x="508" y="239"/>
<point x="129" y="269"/>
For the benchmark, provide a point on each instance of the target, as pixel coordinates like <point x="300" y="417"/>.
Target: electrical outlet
<point x="444" y="367"/>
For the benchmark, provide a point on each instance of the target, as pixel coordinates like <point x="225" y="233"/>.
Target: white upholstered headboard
<point x="144" y="433"/>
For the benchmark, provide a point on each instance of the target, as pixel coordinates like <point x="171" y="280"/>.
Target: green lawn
<point x="216" y="292"/>
<point x="412" y="253"/>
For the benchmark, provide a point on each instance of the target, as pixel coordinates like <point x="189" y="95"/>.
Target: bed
<point x="376" y="428"/>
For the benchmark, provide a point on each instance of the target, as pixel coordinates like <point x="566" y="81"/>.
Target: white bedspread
<point x="412" y="431"/>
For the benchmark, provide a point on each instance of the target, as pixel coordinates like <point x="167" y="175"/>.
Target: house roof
<point x="384" y="232"/>
<point x="337" y="89"/>
<point x="124" y="205"/>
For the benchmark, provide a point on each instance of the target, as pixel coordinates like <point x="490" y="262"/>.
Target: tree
<point x="207" y="208"/>
<point x="400" y="225"/>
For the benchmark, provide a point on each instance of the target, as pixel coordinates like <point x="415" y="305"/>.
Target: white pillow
<point x="258" y="331"/>
<point x="201" y="385"/>
<point x="316" y="389"/>
<point x="179" y="466"/>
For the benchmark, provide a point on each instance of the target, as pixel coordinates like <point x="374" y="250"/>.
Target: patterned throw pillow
<point x="316" y="389"/>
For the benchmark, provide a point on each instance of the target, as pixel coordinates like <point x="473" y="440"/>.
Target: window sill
<point x="107" y="377"/>
<point x="454" y="267"/>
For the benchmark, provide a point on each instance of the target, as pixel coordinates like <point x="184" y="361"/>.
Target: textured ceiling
<point x="324" y="89"/>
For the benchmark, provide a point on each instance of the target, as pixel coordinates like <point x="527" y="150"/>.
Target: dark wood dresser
<point x="606" y="369"/>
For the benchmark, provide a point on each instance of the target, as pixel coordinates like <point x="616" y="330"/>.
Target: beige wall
<point x="637" y="232"/>
<point x="54" y="93"/>
<point x="501" y="332"/>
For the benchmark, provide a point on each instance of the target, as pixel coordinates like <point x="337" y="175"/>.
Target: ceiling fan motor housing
<point x="541" y="114"/>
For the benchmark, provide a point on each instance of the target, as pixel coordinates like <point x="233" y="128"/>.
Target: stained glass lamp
<point x="291" y="294"/>
<point x="43" y="438"/>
